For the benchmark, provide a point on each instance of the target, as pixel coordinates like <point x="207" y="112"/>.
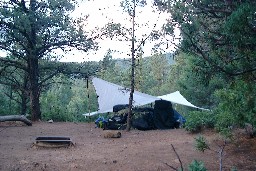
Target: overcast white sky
<point x="103" y="11"/>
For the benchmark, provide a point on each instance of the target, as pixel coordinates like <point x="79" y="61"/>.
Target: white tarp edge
<point x="90" y="114"/>
<point x="177" y="98"/>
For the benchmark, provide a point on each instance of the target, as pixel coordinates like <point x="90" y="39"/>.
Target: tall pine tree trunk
<point x="34" y="89"/>
<point x="33" y="68"/>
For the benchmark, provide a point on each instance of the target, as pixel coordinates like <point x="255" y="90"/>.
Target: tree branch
<point x="14" y="63"/>
<point x="178" y="157"/>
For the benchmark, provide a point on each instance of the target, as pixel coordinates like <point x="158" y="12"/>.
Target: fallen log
<point x="111" y="134"/>
<point x="21" y="118"/>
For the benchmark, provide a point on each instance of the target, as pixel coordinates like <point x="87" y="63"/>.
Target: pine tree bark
<point x="33" y="69"/>
<point x="34" y="89"/>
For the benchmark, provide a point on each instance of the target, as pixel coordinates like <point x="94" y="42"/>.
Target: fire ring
<point x="53" y="141"/>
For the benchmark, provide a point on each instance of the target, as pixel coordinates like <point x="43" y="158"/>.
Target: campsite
<point x="134" y="151"/>
<point x="157" y="140"/>
<point x="127" y="85"/>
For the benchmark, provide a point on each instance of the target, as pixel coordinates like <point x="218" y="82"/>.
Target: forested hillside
<point x="68" y="95"/>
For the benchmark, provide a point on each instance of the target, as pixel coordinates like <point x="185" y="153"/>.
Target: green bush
<point x="58" y="114"/>
<point x="236" y="106"/>
<point x="234" y="169"/>
<point x="196" y="166"/>
<point x="196" y="120"/>
<point x="67" y="100"/>
<point x="201" y="144"/>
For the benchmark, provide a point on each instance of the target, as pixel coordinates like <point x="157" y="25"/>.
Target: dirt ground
<point x="134" y="151"/>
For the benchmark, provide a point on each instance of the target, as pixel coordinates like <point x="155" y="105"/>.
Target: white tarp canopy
<point x="177" y="98"/>
<point x="110" y="94"/>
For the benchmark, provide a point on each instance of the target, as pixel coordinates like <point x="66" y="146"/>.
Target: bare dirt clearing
<point x="134" y="151"/>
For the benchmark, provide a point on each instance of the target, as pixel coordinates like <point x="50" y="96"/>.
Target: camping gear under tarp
<point x="119" y="107"/>
<point x="117" y="122"/>
<point x="101" y="122"/>
<point x="178" y="117"/>
<point x="164" y="115"/>
<point x="143" y="118"/>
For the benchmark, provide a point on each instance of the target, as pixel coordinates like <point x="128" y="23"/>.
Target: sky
<point x="104" y="11"/>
